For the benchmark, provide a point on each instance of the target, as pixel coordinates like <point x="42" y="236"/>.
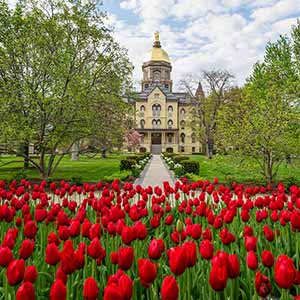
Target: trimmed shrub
<point x="127" y="164"/>
<point x="190" y="166"/>
<point x="135" y="157"/>
<point x="178" y="159"/>
<point x="122" y="176"/>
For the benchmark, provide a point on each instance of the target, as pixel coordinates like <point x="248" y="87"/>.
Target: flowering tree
<point x="133" y="138"/>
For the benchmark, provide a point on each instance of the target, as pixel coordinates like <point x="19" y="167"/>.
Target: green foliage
<point x="127" y="164"/>
<point x="122" y="176"/>
<point x="178" y="159"/>
<point x="263" y="118"/>
<point x="62" y="79"/>
<point x="190" y="166"/>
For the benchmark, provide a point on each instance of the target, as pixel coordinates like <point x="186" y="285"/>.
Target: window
<point x="166" y="86"/>
<point x="146" y="85"/>
<point x="170" y="138"/>
<point x="142" y="124"/>
<point x="142" y="111"/>
<point x="193" y="138"/>
<point x="156" y="123"/>
<point x="182" y="138"/>
<point x="182" y="124"/>
<point x="156" y="108"/>
<point x="182" y="113"/>
<point x="156" y="75"/>
<point x="156" y="95"/>
<point x="193" y="149"/>
<point x="142" y="137"/>
<point x="170" y="124"/>
<point x="170" y="110"/>
<point x="167" y="75"/>
<point x="182" y="149"/>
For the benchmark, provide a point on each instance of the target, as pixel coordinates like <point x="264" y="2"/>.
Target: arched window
<point x="182" y="124"/>
<point x="142" y="111"/>
<point x="156" y="108"/>
<point x="182" y="113"/>
<point x="142" y="123"/>
<point x="154" y="123"/>
<point x="170" y="123"/>
<point x="182" y="138"/>
<point x="158" y="123"/>
<point x="193" y="138"/>
<point x="170" y="138"/>
<point x="170" y="108"/>
<point x="156" y="75"/>
<point x="142" y="137"/>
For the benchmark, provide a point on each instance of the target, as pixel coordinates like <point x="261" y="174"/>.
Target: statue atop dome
<point x="156" y="36"/>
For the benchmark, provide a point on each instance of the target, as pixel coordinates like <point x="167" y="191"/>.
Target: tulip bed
<point x="189" y="241"/>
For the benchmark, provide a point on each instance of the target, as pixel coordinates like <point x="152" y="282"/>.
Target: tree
<point x="264" y="124"/>
<point x="206" y="105"/>
<point x="133" y="138"/>
<point x="59" y="67"/>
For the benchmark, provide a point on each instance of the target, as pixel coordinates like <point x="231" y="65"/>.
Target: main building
<point x="163" y="118"/>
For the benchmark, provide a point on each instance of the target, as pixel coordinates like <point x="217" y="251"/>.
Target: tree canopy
<point x="60" y="69"/>
<point x="263" y="118"/>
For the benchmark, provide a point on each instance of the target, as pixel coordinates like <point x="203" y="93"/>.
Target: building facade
<point x="163" y="118"/>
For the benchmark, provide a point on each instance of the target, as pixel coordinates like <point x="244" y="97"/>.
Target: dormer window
<point x="156" y="76"/>
<point x="146" y="85"/>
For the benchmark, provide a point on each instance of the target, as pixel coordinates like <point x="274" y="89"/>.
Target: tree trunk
<point x="103" y="153"/>
<point x="268" y="166"/>
<point x="75" y="151"/>
<point x="210" y="147"/>
<point x="26" y="155"/>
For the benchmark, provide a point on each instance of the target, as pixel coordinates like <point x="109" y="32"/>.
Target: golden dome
<point x="157" y="53"/>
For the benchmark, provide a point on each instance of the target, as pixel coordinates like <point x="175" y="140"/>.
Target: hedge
<point x="178" y="159"/>
<point x="127" y="164"/>
<point x="190" y="166"/>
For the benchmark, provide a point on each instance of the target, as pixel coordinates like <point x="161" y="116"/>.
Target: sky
<point x="201" y="34"/>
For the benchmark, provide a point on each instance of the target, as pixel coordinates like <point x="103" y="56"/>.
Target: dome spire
<point x="156" y="43"/>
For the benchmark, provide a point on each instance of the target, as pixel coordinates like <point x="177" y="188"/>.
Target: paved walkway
<point x="156" y="173"/>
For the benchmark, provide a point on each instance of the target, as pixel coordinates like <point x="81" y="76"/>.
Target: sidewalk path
<point x="156" y="173"/>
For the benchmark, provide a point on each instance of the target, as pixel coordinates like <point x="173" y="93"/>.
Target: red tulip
<point x="252" y="261"/>
<point x="156" y="248"/>
<point x="95" y="249"/>
<point x="15" y="271"/>
<point x="262" y="285"/>
<point x="90" y="289"/>
<point x="58" y="290"/>
<point x="30" y="229"/>
<point x="128" y="235"/>
<point x="169" y="289"/>
<point x="206" y="249"/>
<point x="284" y="272"/>
<point x="250" y="243"/>
<point x="147" y="271"/>
<point x="25" y="291"/>
<point x="196" y="231"/>
<point x="219" y="273"/>
<point x="52" y="254"/>
<point x="26" y="249"/>
<point x="191" y="253"/>
<point x="267" y="258"/>
<point x="125" y="257"/>
<point x="177" y="260"/>
<point x="5" y="256"/>
<point x="234" y="266"/>
<point x="112" y="292"/>
<point x="31" y="274"/>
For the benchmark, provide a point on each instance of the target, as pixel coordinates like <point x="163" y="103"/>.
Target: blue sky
<point x="201" y="34"/>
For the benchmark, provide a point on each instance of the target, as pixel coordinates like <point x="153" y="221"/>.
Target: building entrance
<point x="156" y="138"/>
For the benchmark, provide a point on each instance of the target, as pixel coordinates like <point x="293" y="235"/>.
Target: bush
<point x="190" y="166"/>
<point x="122" y="176"/>
<point x="178" y="159"/>
<point x="167" y="154"/>
<point x="135" y="157"/>
<point x="127" y="164"/>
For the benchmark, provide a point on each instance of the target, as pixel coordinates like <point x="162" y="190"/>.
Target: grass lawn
<point x="85" y="169"/>
<point x="231" y="168"/>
